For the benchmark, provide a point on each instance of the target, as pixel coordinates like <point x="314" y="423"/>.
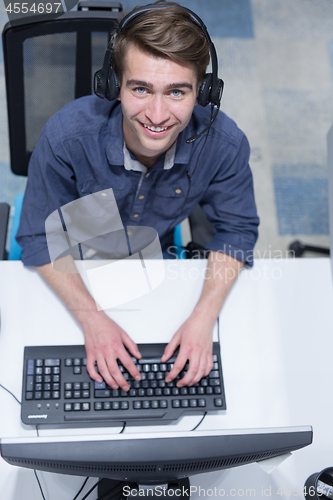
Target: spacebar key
<point x="123" y="415"/>
<point x="153" y="361"/>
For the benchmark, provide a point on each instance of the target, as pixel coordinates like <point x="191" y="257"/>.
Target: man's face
<point x="157" y="98"/>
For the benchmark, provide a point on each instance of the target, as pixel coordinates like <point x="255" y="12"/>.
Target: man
<point x="136" y="146"/>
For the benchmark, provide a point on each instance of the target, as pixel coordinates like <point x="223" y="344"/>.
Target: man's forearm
<point x="222" y="271"/>
<point x="70" y="288"/>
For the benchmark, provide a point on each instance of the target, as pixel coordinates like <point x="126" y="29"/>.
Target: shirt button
<point x="178" y="191"/>
<point x="141" y="197"/>
<point x="136" y="215"/>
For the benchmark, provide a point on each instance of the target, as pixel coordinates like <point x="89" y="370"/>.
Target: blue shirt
<point x="80" y="151"/>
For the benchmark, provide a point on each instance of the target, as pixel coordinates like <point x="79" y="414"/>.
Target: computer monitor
<point x="153" y="458"/>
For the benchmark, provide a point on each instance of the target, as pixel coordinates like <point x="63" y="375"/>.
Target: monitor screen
<point x="154" y="457"/>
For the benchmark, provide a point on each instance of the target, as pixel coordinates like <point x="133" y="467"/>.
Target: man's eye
<point x="140" y="90"/>
<point x="176" y="93"/>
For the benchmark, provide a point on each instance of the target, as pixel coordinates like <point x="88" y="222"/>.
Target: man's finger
<point x="91" y="369"/>
<point x="177" y="367"/>
<point x="170" y="348"/>
<point x="131" y="346"/>
<point x="128" y="363"/>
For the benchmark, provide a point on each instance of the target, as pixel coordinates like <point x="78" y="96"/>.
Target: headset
<point x="106" y="83"/>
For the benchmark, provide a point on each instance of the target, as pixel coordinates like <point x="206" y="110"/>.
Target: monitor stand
<point x="110" y="489"/>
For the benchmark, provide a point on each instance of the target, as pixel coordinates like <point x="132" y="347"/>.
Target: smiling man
<point x="134" y="142"/>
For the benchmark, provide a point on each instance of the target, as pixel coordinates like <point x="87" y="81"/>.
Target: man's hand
<point x="195" y="335"/>
<point x="105" y="342"/>
<point x="195" y="340"/>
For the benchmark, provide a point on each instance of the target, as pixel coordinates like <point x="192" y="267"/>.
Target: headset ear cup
<point x="113" y="88"/>
<point x="204" y="90"/>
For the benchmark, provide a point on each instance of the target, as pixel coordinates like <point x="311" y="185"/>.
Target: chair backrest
<point x="48" y="63"/>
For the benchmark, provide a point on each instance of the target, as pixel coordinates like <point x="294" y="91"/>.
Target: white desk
<point x="276" y="341"/>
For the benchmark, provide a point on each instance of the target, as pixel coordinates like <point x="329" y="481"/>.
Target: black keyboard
<point x="57" y="390"/>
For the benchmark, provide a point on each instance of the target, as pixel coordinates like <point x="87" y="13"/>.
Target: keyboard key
<point x="77" y="362"/>
<point x="102" y="393"/>
<point x="29" y="395"/>
<point x="86" y="406"/>
<point x="163" y="403"/>
<point x="31" y="367"/>
<point x="201" y="403"/>
<point x="150" y="392"/>
<point x="98" y="406"/>
<point x="30" y="383"/>
<point x="47" y="370"/>
<point x="175" y="403"/>
<point x="77" y="394"/>
<point x="214" y="381"/>
<point x="107" y="405"/>
<point x="116" y="405"/>
<point x="158" y="391"/>
<point x="77" y="386"/>
<point x="77" y="370"/>
<point x="77" y="407"/>
<point x="68" y="394"/>
<point x="193" y="403"/>
<point x="214" y="374"/>
<point x="146" y="404"/>
<point x="175" y="391"/>
<point x="39" y="362"/>
<point x="68" y="406"/>
<point x="132" y="393"/>
<point x="218" y="402"/>
<point x="85" y="386"/>
<point x="68" y="386"/>
<point x="200" y="390"/>
<point x="46" y="395"/>
<point x="163" y="367"/>
<point x="192" y="391"/>
<point x="68" y="362"/>
<point x="86" y="394"/>
<point x="55" y="395"/>
<point x="217" y="390"/>
<point x="52" y="362"/>
<point x="154" y="404"/>
<point x="137" y="405"/>
<point x="184" y="391"/>
<point x="184" y="403"/>
<point x="154" y="368"/>
<point x="124" y="405"/>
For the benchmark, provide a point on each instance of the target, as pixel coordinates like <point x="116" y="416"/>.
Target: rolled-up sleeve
<point x="229" y="204"/>
<point x="51" y="184"/>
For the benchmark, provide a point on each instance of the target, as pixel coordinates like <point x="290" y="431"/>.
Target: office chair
<point x="48" y="63"/>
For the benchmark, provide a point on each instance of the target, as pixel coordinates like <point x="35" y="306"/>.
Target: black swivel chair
<point x="48" y="63"/>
